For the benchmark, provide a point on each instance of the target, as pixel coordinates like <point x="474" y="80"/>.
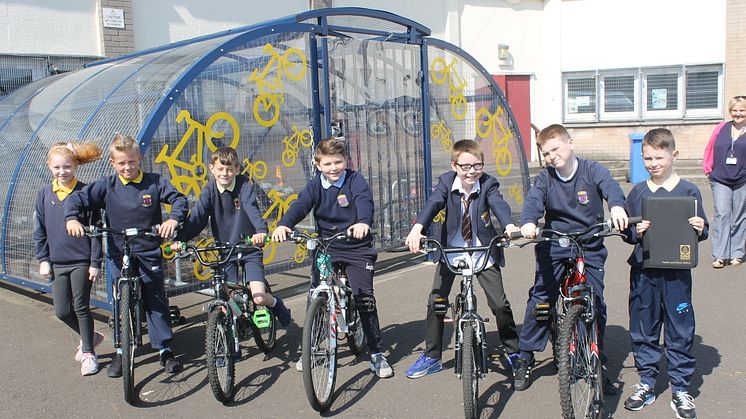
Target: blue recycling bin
<point x="637" y="172"/>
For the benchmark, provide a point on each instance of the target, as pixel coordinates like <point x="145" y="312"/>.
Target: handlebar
<point x="605" y="229"/>
<point x="497" y="241"/>
<point x="198" y="252"/>
<point x="97" y="231"/>
<point x="313" y="242"/>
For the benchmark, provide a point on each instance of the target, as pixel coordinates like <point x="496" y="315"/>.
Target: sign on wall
<point x="113" y="18"/>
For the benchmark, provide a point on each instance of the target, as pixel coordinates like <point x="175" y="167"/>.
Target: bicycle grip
<point x="634" y="220"/>
<point x="515" y="235"/>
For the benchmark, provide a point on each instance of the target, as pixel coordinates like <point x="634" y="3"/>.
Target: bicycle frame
<point x="338" y="294"/>
<point x="466" y="311"/>
<point x="129" y="273"/>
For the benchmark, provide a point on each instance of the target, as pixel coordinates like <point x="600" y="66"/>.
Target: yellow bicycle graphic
<point x="441" y="72"/>
<point x="301" y="252"/>
<point x="279" y="207"/>
<point x="516" y="192"/>
<point x="292" y="145"/>
<point x="189" y="172"/>
<point x="256" y="170"/>
<point x="487" y="125"/>
<point x="271" y="91"/>
<point x="442" y="132"/>
<point x="202" y="272"/>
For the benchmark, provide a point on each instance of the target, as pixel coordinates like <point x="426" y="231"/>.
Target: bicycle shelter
<point x="271" y="90"/>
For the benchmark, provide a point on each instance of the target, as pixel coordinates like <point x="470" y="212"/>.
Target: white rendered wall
<point x="598" y="34"/>
<point x="49" y="27"/>
<point x="159" y="22"/>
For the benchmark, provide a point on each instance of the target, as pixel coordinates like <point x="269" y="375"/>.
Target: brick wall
<point x="612" y="143"/>
<point x="735" y="50"/>
<point x="115" y="41"/>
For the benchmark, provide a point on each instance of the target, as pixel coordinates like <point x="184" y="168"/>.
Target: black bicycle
<point x="128" y="307"/>
<point x="471" y="344"/>
<point x="574" y="324"/>
<point x="331" y="315"/>
<point x="232" y="316"/>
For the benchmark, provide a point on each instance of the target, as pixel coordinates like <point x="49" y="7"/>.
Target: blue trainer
<point x="281" y="312"/>
<point x="424" y="366"/>
<point x="510" y="359"/>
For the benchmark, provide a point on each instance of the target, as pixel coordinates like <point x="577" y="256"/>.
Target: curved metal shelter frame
<point x="271" y="90"/>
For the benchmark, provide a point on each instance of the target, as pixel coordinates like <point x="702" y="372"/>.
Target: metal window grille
<point x="619" y="94"/>
<point x="662" y="92"/>
<point x="19" y="70"/>
<point x="581" y="95"/>
<point x="702" y="89"/>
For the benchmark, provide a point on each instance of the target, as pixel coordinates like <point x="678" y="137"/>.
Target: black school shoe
<point x="522" y="374"/>
<point x="115" y="368"/>
<point x="170" y="364"/>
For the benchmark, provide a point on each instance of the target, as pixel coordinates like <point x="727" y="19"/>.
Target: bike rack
<point x="257" y="88"/>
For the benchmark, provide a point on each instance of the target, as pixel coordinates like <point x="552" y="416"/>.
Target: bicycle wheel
<point x="469" y="372"/>
<point x="319" y="355"/>
<point x="127" y="336"/>
<point x="221" y="368"/>
<point x="355" y="336"/>
<point x="265" y="336"/>
<point x="580" y="389"/>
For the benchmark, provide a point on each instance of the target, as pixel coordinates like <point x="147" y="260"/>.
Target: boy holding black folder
<point x="661" y="297"/>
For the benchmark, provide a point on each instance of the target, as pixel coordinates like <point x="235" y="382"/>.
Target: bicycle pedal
<point x="542" y="311"/>
<point x="262" y="318"/>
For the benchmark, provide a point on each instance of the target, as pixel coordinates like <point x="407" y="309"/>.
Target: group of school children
<point x="568" y="194"/>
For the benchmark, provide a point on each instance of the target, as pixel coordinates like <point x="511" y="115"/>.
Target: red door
<point x="517" y="90"/>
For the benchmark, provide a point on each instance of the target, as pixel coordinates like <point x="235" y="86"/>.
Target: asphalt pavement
<point x="40" y="379"/>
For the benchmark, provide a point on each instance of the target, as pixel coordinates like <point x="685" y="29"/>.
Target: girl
<point x="72" y="264"/>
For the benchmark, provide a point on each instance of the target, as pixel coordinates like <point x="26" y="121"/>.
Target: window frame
<point x="640" y="112"/>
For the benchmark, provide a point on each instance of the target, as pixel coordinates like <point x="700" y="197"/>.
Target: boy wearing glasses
<point x="569" y="195"/>
<point x="468" y="195"/>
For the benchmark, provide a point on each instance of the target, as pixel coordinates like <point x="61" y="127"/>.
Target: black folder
<point x="670" y="242"/>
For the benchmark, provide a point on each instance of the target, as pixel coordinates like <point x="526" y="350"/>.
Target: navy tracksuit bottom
<point x="360" y="268"/>
<point x="662" y="297"/>
<point x="153" y="294"/>
<point x="550" y="270"/>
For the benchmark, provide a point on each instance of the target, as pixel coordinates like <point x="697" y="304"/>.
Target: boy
<point x="229" y="202"/>
<point x="342" y="200"/>
<point x="569" y="194"/>
<point x="468" y="195"/>
<point x="132" y="199"/>
<point x="661" y="296"/>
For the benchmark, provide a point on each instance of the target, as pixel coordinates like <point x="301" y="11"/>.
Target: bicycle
<point x="128" y="306"/>
<point x="574" y="324"/>
<point x="232" y="317"/>
<point x="470" y="335"/>
<point x="331" y="313"/>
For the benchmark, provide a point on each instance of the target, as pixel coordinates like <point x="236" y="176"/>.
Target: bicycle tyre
<point x="470" y="373"/>
<point x="127" y="336"/>
<point x="355" y="336"/>
<point x="580" y="385"/>
<point x="265" y="337"/>
<point x="221" y="367"/>
<point x="319" y="355"/>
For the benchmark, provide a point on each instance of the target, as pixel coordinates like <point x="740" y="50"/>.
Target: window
<point x="619" y="96"/>
<point x="638" y="94"/>
<point x="581" y="97"/>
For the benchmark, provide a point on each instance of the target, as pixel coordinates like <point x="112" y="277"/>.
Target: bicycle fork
<point x="136" y="309"/>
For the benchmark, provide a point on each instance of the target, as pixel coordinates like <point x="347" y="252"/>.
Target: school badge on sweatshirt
<point x="342" y="201"/>
<point x="583" y="197"/>
<point x="236" y="203"/>
<point x="147" y="200"/>
<point x="485" y="218"/>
